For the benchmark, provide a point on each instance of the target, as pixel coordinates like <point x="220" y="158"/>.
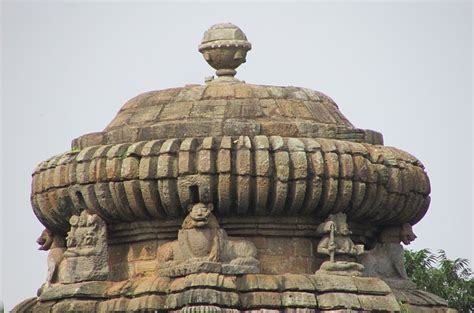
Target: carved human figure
<point x="336" y="237"/>
<point x="338" y="245"/>
<point x="201" y="240"/>
<point x="56" y="246"/>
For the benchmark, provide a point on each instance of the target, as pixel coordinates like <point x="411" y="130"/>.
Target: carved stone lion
<point x="56" y="246"/>
<point x="203" y="246"/>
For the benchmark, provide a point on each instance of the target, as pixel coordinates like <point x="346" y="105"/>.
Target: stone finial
<point x="203" y="246"/>
<point x="224" y="46"/>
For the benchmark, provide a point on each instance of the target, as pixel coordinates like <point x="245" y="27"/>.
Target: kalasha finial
<point x="224" y="46"/>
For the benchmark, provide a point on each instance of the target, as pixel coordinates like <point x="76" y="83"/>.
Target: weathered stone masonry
<point x="229" y="197"/>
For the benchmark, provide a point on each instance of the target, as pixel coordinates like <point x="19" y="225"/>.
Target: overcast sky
<point x="402" y="69"/>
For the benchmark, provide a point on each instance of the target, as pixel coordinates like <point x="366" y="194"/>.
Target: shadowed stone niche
<point x="203" y="246"/>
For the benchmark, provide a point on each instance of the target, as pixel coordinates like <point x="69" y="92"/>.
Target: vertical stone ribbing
<point x="243" y="172"/>
<point x="224" y="168"/>
<point x="167" y="173"/>
<point x="298" y="173"/>
<point x="241" y="175"/>
<point x="263" y="170"/>
<point x="280" y="179"/>
<point x="148" y="178"/>
<point x="315" y="176"/>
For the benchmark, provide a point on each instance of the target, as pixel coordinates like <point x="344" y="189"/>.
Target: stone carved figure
<point x="386" y="260"/>
<point x="56" y="246"/>
<point x="396" y="234"/>
<point x="338" y="245"/>
<point x="203" y="246"/>
<point x="86" y="255"/>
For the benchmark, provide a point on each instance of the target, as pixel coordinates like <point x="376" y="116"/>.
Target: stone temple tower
<point x="229" y="197"/>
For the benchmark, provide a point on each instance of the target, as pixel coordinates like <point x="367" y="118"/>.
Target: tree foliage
<point x="449" y="279"/>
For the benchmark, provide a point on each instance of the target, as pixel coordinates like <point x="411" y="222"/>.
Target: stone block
<point x="202" y="296"/>
<point x="130" y="168"/>
<point x="320" y="112"/>
<point x="161" y="97"/>
<point x="285" y="129"/>
<point x="330" y="283"/>
<point x="122" y="135"/>
<point x="238" y="127"/>
<point x="255" y="282"/>
<point x="251" y="109"/>
<point x="379" y="303"/>
<point x="371" y="285"/>
<point x="74" y="306"/>
<point x="337" y="300"/>
<point x="90" y="290"/>
<point x="260" y="299"/>
<point x="157" y="131"/>
<point x="298" y="299"/>
<point x="202" y="109"/>
<point x="190" y="93"/>
<point x="291" y="108"/>
<point x="191" y="268"/>
<point x="176" y="111"/>
<point x="244" y="91"/>
<point x="145" y="115"/>
<point x="114" y="305"/>
<point x="206" y="280"/>
<point x="93" y="139"/>
<point x="296" y="282"/>
<point x="269" y="108"/>
<point x="219" y="91"/>
<point x="208" y="127"/>
<point x="146" y="303"/>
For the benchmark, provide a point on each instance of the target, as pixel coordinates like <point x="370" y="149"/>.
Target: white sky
<point x="403" y="69"/>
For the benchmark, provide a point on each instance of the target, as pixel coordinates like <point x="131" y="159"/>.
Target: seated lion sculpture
<point x="203" y="246"/>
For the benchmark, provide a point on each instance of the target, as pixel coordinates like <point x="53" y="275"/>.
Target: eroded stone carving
<point x="338" y="245"/>
<point x="397" y="234"/>
<point x="86" y="255"/>
<point x="203" y="246"/>
<point x="56" y="246"/>
<point x="386" y="260"/>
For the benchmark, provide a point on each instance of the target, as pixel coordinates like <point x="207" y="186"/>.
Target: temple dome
<point x="228" y="109"/>
<point x="282" y="195"/>
<point x="251" y="150"/>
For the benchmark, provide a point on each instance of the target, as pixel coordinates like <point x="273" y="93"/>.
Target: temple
<point x="229" y="197"/>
